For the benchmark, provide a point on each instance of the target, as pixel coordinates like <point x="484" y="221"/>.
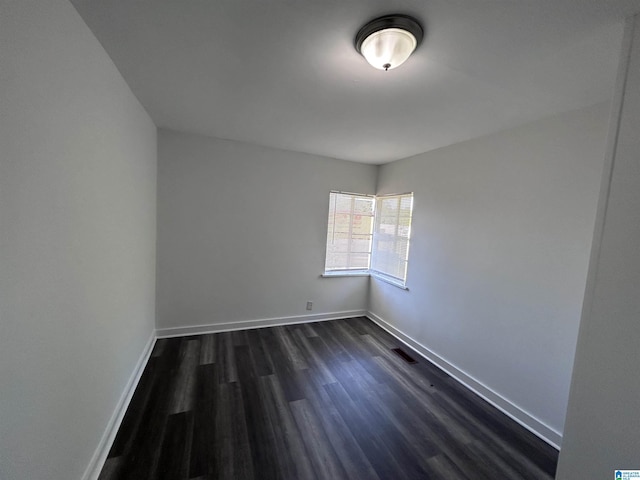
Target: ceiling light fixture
<point x="387" y="42"/>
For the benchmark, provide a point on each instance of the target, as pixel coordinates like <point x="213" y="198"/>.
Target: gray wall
<point x="242" y="232"/>
<point x="77" y="239"/>
<point x="501" y="237"/>
<point x="602" y="432"/>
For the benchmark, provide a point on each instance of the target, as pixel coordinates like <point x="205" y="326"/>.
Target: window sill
<point x="346" y="273"/>
<point x="390" y="281"/>
<point x="366" y="273"/>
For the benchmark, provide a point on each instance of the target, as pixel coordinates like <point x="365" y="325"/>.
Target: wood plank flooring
<point x="327" y="400"/>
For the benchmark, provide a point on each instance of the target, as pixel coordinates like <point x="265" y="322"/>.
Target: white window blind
<point x="349" y="232"/>
<point x="391" y="236"/>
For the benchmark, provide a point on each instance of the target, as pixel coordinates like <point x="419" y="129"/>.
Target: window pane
<point x="363" y="206"/>
<point x="360" y="261"/>
<point x="349" y="231"/>
<point x="404" y="230"/>
<point x="391" y="235"/>
<point x="342" y="222"/>
<point x="362" y="225"/>
<point x="343" y="203"/>
<point x="361" y="244"/>
<point x="336" y="261"/>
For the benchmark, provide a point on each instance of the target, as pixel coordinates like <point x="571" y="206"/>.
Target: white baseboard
<point x="528" y="421"/>
<point x="100" y="455"/>
<point x="259" y="323"/>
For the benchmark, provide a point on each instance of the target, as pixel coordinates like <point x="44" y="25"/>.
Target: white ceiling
<point x="285" y="74"/>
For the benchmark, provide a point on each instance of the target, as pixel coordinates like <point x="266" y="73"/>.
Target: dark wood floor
<point x="327" y="400"/>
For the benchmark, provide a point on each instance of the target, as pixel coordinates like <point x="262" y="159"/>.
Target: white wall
<point x="242" y="232"/>
<point x="501" y="237"/>
<point x="77" y="239"/>
<point x="602" y="432"/>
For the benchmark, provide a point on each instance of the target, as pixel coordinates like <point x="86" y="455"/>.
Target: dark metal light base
<point x="404" y="22"/>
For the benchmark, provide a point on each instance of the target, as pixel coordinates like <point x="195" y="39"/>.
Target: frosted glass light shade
<point x="386" y="42"/>
<point x="389" y="48"/>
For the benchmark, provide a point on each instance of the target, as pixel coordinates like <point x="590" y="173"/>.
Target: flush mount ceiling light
<point x="387" y="42"/>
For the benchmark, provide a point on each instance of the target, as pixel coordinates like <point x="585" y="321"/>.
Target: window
<point x="391" y="236"/>
<point x="349" y="232"/>
<point x="369" y="235"/>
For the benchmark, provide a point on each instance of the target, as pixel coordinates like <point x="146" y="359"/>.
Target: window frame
<point x="346" y="270"/>
<point x="370" y="271"/>
<point x="400" y="241"/>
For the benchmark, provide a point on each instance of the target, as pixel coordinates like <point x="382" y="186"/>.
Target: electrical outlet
<point x="309" y="305"/>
